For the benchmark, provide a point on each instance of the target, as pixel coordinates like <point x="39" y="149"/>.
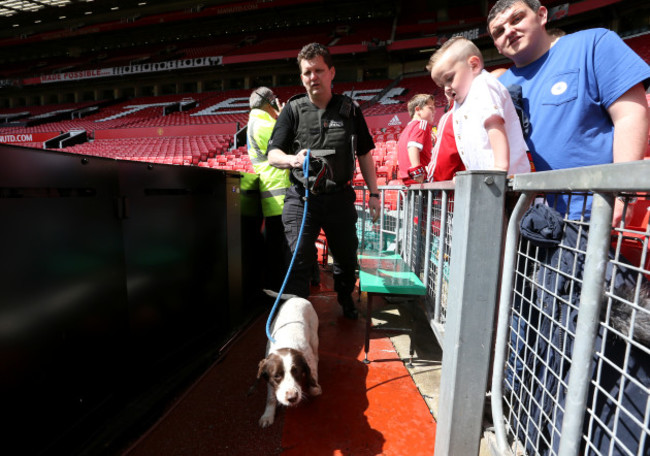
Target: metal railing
<point x="572" y="355"/>
<point x="570" y="362"/>
<point x="412" y="219"/>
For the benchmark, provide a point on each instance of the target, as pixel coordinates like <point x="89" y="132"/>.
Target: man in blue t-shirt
<point x="583" y="93"/>
<point x="583" y="98"/>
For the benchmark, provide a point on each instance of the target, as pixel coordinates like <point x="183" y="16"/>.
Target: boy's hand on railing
<point x="619" y="208"/>
<point x="374" y="207"/>
<point x="618" y="212"/>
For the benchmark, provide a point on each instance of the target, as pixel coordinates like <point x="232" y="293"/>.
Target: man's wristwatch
<point x="374" y="195"/>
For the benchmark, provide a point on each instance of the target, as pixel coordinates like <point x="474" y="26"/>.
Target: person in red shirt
<point x="446" y="161"/>
<point x="416" y="141"/>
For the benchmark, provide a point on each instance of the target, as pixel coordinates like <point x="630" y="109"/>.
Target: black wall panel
<point x="175" y="245"/>
<point x="107" y="269"/>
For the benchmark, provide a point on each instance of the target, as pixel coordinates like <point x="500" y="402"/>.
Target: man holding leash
<point x="332" y="128"/>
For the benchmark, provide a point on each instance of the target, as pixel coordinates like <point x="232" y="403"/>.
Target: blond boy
<point x="488" y="132"/>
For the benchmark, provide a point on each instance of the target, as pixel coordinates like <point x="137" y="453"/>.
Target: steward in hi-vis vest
<point x="274" y="182"/>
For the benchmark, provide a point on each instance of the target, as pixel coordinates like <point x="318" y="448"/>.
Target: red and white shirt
<point x="418" y="133"/>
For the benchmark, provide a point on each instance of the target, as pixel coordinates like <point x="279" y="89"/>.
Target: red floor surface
<point x="372" y="409"/>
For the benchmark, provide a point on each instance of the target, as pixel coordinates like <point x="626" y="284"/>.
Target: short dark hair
<point x="501" y="5"/>
<point x="312" y="50"/>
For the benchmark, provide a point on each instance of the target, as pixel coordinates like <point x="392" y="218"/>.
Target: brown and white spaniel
<point x="291" y="365"/>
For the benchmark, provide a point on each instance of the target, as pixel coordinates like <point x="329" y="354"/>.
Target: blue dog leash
<point x="305" y="172"/>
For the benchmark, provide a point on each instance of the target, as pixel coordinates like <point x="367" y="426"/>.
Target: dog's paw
<point x="266" y="420"/>
<point x="315" y="390"/>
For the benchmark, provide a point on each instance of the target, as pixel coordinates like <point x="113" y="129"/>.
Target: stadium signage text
<point x="75" y="75"/>
<point x="28" y="138"/>
<point x="125" y="70"/>
<point x="472" y="34"/>
<point x="234" y="105"/>
<point x="168" y="65"/>
<point x="15" y="138"/>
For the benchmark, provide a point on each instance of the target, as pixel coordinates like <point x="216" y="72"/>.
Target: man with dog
<point x="332" y="128"/>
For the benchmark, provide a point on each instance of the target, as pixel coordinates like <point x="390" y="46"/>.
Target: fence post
<point x="416" y="263"/>
<point x="474" y="278"/>
<point x="503" y="319"/>
<point x="399" y="242"/>
<point x="587" y="324"/>
<point x="427" y="239"/>
<point x="381" y="220"/>
<point x="410" y="225"/>
<point x="440" y="260"/>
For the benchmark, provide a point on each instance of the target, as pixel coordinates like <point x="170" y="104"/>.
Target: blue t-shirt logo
<point x="559" y="88"/>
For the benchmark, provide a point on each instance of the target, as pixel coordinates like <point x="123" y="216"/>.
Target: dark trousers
<point x="336" y="215"/>
<point x="276" y="252"/>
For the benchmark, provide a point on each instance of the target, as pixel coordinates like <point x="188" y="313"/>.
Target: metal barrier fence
<point x="563" y="382"/>
<point x="572" y="358"/>
<point x="407" y="225"/>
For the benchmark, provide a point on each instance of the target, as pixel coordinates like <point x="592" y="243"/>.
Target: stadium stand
<point x="169" y="150"/>
<point x="186" y="114"/>
<point x="280" y="41"/>
<point x="381" y="97"/>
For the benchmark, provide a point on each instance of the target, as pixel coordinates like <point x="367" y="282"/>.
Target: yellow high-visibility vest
<point x="274" y="182"/>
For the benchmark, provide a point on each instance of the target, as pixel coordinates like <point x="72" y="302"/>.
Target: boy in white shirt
<point x="488" y="131"/>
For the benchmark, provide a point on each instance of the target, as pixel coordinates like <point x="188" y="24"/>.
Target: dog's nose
<point x="292" y="397"/>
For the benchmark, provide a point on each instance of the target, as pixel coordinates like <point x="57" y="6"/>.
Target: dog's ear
<point x="305" y="371"/>
<point x="261" y="371"/>
<point x="311" y="381"/>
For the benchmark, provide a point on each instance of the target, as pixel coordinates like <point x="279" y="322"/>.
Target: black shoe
<point x="349" y="310"/>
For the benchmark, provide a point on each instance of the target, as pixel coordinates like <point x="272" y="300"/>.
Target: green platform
<point x="387" y="273"/>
